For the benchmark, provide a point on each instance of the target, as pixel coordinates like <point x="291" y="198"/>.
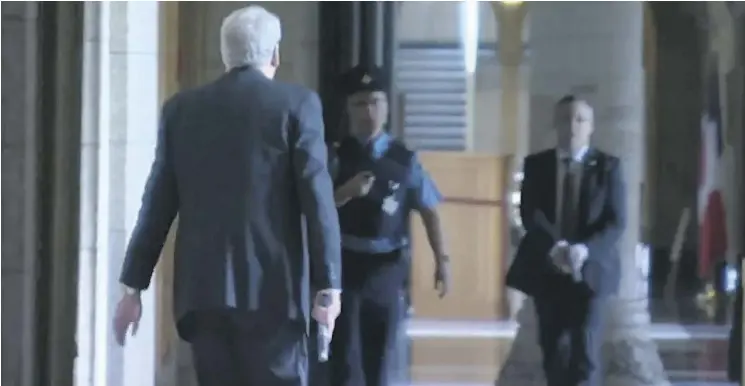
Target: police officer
<point x="378" y="183"/>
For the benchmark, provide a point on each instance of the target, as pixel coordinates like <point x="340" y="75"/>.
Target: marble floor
<point x="464" y="353"/>
<point x="695" y="383"/>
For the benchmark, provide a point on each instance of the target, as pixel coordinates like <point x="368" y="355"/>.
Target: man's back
<point x="242" y="161"/>
<point x="239" y="210"/>
<point x="246" y="159"/>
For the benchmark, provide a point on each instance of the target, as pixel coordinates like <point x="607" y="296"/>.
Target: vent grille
<point x="433" y="80"/>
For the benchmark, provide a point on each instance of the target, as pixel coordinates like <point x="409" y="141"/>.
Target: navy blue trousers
<point x="365" y="338"/>
<point x="570" y="328"/>
<point x="235" y="348"/>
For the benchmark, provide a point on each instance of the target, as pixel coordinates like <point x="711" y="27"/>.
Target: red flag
<point x="711" y="209"/>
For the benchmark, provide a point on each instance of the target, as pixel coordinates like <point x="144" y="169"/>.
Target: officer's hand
<point x="442" y="276"/>
<point x="360" y="184"/>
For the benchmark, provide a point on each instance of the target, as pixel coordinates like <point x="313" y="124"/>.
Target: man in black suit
<point x="573" y="207"/>
<point x="241" y="160"/>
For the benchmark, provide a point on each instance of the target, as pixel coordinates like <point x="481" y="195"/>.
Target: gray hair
<point x="248" y="37"/>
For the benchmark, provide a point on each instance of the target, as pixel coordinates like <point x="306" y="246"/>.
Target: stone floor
<point x="472" y="353"/>
<point x="695" y="383"/>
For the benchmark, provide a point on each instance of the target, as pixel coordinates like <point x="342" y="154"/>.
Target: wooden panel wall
<point x="472" y="215"/>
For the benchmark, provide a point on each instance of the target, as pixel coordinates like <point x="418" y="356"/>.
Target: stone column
<point x="338" y="46"/>
<point x="513" y="115"/>
<point x="119" y="129"/>
<point x="19" y="179"/>
<point x="352" y="33"/>
<point x="595" y="50"/>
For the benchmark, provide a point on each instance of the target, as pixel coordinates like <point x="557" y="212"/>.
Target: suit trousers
<point x="238" y="348"/>
<point x="571" y="326"/>
<point x="365" y="338"/>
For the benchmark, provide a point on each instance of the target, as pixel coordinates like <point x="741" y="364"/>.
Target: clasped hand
<point x="567" y="258"/>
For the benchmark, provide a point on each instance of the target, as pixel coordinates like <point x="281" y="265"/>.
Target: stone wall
<point x="443" y="23"/>
<point x="438" y="22"/>
<point x="298" y="50"/>
<point x="678" y="103"/>
<point x="688" y="39"/>
<point x="726" y="41"/>
<point x="120" y="121"/>
<point x="19" y="122"/>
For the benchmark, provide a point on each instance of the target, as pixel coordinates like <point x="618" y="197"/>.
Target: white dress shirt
<point x="578" y="252"/>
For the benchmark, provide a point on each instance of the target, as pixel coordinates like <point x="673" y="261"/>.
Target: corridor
<point x="472" y="86"/>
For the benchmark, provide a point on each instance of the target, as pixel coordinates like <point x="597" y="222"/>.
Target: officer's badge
<point x="393" y="186"/>
<point x="390" y="205"/>
<point x="366" y="79"/>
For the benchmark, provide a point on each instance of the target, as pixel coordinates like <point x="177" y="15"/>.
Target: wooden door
<point x="473" y="222"/>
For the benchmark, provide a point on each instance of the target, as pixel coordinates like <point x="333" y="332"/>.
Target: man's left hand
<point x="442" y="275"/>
<point x="127" y="316"/>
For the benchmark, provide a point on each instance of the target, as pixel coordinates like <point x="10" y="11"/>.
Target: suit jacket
<point x="242" y="161"/>
<point x="601" y="223"/>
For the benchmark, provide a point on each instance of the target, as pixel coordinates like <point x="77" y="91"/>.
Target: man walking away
<point x="241" y="160"/>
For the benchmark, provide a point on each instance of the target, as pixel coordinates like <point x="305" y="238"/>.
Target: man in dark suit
<point x="573" y="207"/>
<point x="241" y="160"/>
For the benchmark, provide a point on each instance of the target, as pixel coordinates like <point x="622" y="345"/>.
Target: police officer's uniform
<point x="375" y="241"/>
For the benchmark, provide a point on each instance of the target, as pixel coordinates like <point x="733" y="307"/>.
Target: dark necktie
<point x="568" y="201"/>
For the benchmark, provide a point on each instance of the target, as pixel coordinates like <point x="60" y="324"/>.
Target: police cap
<point x="362" y="79"/>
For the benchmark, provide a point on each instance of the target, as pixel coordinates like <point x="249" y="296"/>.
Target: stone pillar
<point x="513" y="115"/>
<point x="672" y="178"/>
<point x="595" y="50"/>
<point x="339" y="38"/>
<point x="511" y="23"/>
<point x="351" y="33"/>
<point x="19" y="179"/>
<point x="120" y="120"/>
<point x="40" y="137"/>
